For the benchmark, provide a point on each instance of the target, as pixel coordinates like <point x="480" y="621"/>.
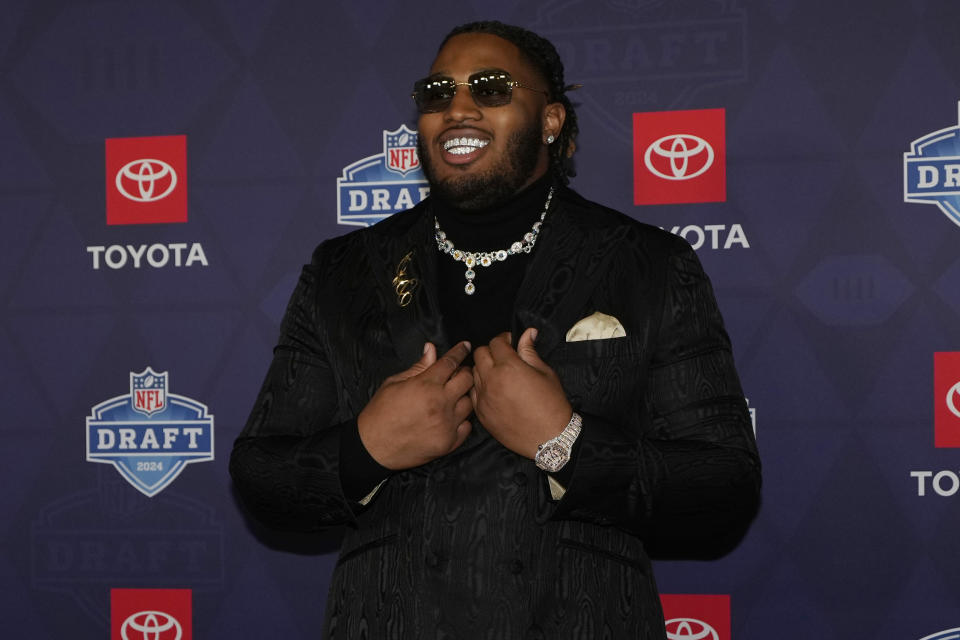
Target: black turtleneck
<point x="487" y="312"/>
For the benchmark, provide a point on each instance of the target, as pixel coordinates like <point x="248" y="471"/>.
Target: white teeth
<point x="461" y="146"/>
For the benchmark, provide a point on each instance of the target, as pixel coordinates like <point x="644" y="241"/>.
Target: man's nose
<point x="462" y="107"/>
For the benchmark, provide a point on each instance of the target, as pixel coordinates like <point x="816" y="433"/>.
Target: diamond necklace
<point x="487" y="258"/>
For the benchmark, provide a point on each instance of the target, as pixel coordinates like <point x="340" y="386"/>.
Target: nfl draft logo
<point x="949" y="634"/>
<point x="931" y="171"/>
<point x="149" y="434"/>
<point x="378" y="186"/>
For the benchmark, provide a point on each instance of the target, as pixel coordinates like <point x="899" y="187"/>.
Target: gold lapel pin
<point x="404" y="283"/>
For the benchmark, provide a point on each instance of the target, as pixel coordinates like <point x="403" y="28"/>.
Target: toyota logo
<point x="952" y="396"/>
<point x="690" y="629"/>
<point x="151" y="625"/>
<point x="678" y="149"/>
<point x="146" y="173"/>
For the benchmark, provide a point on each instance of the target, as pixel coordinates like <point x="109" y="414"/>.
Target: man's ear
<point x="553" y="116"/>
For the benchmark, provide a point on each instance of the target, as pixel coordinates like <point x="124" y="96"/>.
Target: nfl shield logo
<point x="931" y="170"/>
<point x="400" y="150"/>
<point x="148" y="391"/>
<point x="150" y="434"/>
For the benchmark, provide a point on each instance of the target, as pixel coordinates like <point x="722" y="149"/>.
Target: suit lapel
<point x="405" y="263"/>
<point x="556" y="290"/>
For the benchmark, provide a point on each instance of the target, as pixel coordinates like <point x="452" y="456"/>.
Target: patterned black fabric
<point x="471" y="545"/>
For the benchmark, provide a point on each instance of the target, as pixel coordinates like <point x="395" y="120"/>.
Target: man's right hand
<point x="419" y="414"/>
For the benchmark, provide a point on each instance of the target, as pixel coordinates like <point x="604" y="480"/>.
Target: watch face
<point x="552" y="457"/>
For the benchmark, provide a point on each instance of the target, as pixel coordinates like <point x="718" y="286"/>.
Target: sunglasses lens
<point x="491" y="89"/>
<point x="433" y="94"/>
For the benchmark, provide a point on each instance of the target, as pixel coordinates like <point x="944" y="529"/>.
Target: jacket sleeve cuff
<point x="559" y="481"/>
<point x="602" y="461"/>
<point x="360" y="474"/>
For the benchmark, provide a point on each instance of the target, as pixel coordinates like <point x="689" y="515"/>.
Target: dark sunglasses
<point x="488" y="88"/>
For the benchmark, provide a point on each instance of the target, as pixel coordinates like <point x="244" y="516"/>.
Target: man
<point x="601" y="421"/>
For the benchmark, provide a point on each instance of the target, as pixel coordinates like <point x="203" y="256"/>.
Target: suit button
<point x="520" y="478"/>
<point x="516" y="567"/>
<point x="534" y="633"/>
<point x="440" y="476"/>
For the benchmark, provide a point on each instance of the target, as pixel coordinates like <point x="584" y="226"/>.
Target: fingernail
<point x="467" y="342"/>
<point x="534" y="335"/>
<point x="425" y="346"/>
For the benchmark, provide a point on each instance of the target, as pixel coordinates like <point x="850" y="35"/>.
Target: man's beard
<point x="495" y="186"/>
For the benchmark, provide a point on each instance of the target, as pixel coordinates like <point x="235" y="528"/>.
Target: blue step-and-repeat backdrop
<point x="166" y="167"/>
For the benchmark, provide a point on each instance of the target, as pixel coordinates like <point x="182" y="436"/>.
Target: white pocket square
<point x="596" y="326"/>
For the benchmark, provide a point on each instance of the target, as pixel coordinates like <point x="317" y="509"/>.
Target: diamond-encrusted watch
<point x="553" y="454"/>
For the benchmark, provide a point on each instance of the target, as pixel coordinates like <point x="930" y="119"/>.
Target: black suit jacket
<point x="472" y="545"/>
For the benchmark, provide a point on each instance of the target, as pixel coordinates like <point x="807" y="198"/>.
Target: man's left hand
<point x="516" y="395"/>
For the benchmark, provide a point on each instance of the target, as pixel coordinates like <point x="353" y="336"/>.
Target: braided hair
<point x="543" y="55"/>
